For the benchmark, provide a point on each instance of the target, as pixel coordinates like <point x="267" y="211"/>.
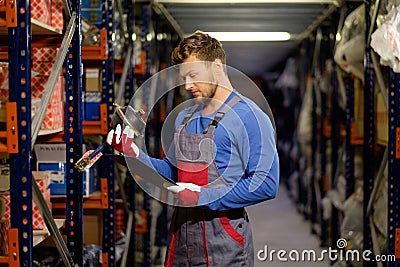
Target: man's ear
<point x="218" y="64"/>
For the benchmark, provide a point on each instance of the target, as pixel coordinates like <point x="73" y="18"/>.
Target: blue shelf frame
<point x="19" y="51"/>
<point x="349" y="164"/>
<point x="393" y="168"/>
<point x="335" y="132"/>
<point x="369" y="135"/>
<point x="74" y="140"/>
<point x="107" y="166"/>
<point x="146" y="198"/>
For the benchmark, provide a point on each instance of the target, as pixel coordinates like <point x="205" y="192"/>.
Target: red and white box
<point x="3" y="95"/>
<point x="42" y="179"/>
<point x="57" y="20"/>
<point x="42" y="68"/>
<point x="54" y="117"/>
<point x="39" y="85"/>
<point x="41" y="11"/>
<point x="44" y="53"/>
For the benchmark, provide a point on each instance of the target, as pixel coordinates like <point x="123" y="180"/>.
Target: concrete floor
<point x="277" y="225"/>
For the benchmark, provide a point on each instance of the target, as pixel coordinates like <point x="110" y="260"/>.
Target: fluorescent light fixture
<point x="250" y="36"/>
<point x="246" y="1"/>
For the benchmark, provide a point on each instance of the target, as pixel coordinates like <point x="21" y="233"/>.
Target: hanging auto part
<point x="123" y="115"/>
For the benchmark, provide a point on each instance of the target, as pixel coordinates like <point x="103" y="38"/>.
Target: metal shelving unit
<point x="73" y="140"/>
<point x="22" y="185"/>
<point x="146" y="17"/>
<point x="394" y="168"/>
<point x="107" y="166"/>
<point x="20" y="163"/>
<point x="349" y="164"/>
<point x="369" y="131"/>
<point x="21" y="126"/>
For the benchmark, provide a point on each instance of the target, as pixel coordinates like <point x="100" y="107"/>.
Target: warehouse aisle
<point x="277" y="225"/>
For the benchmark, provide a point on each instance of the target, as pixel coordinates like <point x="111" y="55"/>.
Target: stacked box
<point x="44" y="53"/>
<point x="92" y="106"/>
<point x="92" y="80"/>
<point x="57" y="20"/>
<point x="43" y="62"/>
<point x="38" y="223"/>
<point x="54" y="117"/>
<point x="41" y="11"/>
<point x="92" y="11"/>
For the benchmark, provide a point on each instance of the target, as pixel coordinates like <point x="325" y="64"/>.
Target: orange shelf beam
<point x="12" y="259"/>
<point x="92" y="202"/>
<point x="96" y="52"/>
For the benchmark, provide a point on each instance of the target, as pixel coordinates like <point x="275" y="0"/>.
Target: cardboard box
<point x="42" y="68"/>
<point x="93" y="227"/>
<point x="91" y="4"/>
<point x="41" y="10"/>
<point x="57" y="19"/>
<point x="92" y="106"/>
<point x="92" y="80"/>
<point x="94" y="16"/>
<point x="42" y="181"/>
<point x="44" y="53"/>
<point x="54" y="118"/>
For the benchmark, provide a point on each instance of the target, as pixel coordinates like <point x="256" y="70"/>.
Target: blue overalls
<point x="202" y="237"/>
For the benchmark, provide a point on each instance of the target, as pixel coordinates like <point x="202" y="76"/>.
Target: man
<point x="224" y="159"/>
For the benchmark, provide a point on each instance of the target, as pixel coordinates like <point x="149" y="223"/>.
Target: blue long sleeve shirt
<point x="245" y="155"/>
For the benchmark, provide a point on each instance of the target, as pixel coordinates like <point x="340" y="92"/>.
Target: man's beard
<point x="206" y="99"/>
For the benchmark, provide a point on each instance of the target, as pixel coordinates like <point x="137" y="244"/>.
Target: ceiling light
<point x="250" y="36"/>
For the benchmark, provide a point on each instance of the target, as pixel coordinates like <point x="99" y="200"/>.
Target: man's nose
<point x="188" y="85"/>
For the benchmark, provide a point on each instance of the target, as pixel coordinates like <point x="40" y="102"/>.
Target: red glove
<point x="188" y="197"/>
<point x="123" y="143"/>
<point x="186" y="193"/>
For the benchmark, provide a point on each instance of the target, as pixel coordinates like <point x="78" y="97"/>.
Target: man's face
<point x="198" y="78"/>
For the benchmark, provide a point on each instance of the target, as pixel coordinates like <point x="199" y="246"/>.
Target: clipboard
<point x="147" y="173"/>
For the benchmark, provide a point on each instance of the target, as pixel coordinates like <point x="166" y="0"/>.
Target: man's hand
<point x="186" y="193"/>
<point x="123" y="143"/>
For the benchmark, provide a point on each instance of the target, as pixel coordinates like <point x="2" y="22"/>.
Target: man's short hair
<point x="201" y="45"/>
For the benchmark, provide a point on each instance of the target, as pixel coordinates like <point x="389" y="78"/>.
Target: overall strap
<point x="220" y="114"/>
<point x="187" y="117"/>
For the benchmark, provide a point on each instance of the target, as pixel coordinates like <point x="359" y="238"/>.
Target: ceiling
<point x="298" y="17"/>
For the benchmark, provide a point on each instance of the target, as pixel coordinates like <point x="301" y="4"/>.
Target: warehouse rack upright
<point x="22" y="186"/>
